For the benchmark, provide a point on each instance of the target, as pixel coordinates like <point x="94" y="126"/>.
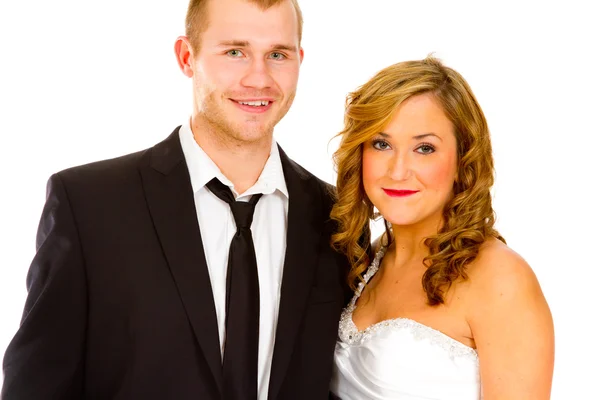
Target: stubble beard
<point x="247" y="132"/>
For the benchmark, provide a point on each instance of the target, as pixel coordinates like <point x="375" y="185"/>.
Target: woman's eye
<point x="425" y="149"/>
<point x="380" y="145"/>
<point x="234" y="53"/>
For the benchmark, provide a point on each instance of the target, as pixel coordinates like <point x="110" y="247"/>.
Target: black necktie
<point x="242" y="301"/>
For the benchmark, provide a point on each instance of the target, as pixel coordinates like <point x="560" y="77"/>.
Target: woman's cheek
<point x="371" y="170"/>
<point x="440" y="175"/>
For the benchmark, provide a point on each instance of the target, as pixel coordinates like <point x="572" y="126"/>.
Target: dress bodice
<point x="400" y="359"/>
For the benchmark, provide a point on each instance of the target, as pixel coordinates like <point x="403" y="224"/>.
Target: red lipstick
<point x="399" y="193"/>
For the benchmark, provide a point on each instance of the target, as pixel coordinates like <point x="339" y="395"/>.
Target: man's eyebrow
<point x="287" y="47"/>
<point x="234" y="43"/>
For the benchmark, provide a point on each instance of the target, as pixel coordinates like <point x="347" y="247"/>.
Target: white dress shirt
<point x="217" y="227"/>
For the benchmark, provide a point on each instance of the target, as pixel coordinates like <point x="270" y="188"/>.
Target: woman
<point x="443" y="309"/>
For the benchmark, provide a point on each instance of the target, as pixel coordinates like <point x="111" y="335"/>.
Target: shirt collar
<point x="202" y="168"/>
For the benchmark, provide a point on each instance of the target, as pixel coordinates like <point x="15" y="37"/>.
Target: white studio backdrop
<point x="82" y="81"/>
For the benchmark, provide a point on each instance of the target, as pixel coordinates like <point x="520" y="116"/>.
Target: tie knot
<point x="242" y="211"/>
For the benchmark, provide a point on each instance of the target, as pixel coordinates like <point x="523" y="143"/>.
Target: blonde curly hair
<point x="468" y="217"/>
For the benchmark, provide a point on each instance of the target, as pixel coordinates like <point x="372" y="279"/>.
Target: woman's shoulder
<point x="510" y="322"/>
<point x="500" y="272"/>
<point x="496" y="259"/>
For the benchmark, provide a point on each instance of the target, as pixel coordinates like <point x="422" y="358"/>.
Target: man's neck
<point x="240" y="161"/>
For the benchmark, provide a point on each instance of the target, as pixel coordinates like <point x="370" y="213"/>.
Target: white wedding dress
<point x="401" y="359"/>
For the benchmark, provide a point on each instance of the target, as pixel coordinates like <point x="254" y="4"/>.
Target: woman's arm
<point x="511" y="325"/>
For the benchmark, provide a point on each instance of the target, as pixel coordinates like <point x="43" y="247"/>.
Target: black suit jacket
<point x="120" y="304"/>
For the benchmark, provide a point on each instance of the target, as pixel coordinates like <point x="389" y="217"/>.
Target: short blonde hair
<point x="197" y="19"/>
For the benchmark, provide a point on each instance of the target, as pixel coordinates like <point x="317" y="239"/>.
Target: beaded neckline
<point x="349" y="333"/>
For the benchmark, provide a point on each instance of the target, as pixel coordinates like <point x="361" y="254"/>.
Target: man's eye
<point x="278" y="56"/>
<point x="234" y="53"/>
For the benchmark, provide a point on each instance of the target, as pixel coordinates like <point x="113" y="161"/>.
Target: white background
<point x="82" y="81"/>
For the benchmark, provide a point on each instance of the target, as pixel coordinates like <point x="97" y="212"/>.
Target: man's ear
<point x="184" y="54"/>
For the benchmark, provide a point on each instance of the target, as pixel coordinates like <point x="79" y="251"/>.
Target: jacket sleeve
<point x="45" y="358"/>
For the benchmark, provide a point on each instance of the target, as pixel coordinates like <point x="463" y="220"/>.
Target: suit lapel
<point x="170" y="200"/>
<point x="302" y="248"/>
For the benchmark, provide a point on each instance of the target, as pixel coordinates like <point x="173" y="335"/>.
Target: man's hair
<point x="196" y="19"/>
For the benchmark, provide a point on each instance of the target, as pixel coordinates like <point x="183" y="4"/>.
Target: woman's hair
<point x="468" y="217"/>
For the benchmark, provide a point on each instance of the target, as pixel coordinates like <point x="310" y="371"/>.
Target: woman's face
<point x="409" y="169"/>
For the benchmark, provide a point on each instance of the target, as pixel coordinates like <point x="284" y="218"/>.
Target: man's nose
<point x="258" y="74"/>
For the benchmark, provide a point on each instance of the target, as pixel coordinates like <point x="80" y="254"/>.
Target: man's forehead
<point x="245" y="21"/>
<point x="244" y="11"/>
<point x="244" y="33"/>
<point x="249" y="11"/>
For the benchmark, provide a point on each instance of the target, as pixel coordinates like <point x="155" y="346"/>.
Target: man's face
<point x="246" y="69"/>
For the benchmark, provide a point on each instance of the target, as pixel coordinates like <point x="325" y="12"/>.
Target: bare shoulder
<point x="500" y="271"/>
<point x="511" y="325"/>
<point x="499" y="278"/>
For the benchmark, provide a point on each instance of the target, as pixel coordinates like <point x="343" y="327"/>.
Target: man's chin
<point x="255" y="128"/>
<point x="253" y="133"/>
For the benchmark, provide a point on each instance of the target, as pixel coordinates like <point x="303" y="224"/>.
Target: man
<point x="147" y="284"/>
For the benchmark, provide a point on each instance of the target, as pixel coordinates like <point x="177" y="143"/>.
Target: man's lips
<point x="256" y="106"/>
<point x="399" y="193"/>
<point x="259" y="98"/>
